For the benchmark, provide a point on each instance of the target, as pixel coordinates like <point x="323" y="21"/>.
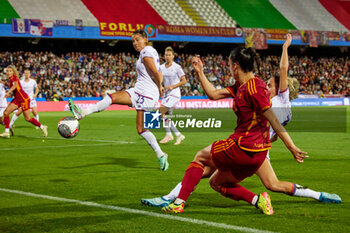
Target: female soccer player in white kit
<point x="28" y="85"/>
<point x="3" y="102"/>
<point x="174" y="78"/>
<point x="143" y="97"/>
<point x="283" y="89"/>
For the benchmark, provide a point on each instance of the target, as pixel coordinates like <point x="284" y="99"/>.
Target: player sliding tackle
<point x="265" y="172"/>
<point x="143" y="97"/>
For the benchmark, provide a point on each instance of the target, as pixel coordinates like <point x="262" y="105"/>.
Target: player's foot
<point x="163" y="162"/>
<point x="12" y="131"/>
<point x="76" y="111"/>
<point x="156" y="202"/>
<point x="264" y="204"/>
<point x="44" y="130"/>
<point x="5" y="135"/>
<point x="172" y="208"/>
<point x="179" y="139"/>
<point x="166" y="139"/>
<point x="329" y="198"/>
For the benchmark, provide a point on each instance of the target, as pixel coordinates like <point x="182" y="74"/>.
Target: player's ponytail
<point x="293" y="86"/>
<point x="244" y="57"/>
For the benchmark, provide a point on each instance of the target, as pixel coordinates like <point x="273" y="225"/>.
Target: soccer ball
<point x="68" y="127"/>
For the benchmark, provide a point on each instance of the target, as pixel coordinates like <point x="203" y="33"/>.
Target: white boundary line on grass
<point x="82" y="139"/>
<point x="48" y="147"/>
<point x="135" y="211"/>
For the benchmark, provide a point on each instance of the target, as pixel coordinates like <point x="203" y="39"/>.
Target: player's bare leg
<point x="120" y="97"/>
<point x="13" y="119"/>
<point x="32" y="120"/>
<point x="271" y="182"/>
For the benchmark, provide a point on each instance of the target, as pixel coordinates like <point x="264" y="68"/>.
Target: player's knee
<point x="27" y="118"/>
<point x="214" y="185"/>
<point x="273" y="186"/>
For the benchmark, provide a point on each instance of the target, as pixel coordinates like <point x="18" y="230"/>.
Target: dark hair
<point x="140" y="32"/>
<point x="244" y="57"/>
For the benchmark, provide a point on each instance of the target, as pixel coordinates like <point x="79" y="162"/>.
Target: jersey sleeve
<point x="147" y="52"/>
<point x="232" y="89"/>
<point x="260" y="95"/>
<point x="180" y="71"/>
<point x="284" y="95"/>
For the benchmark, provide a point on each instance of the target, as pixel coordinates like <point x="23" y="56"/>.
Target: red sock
<point x="237" y="192"/>
<point x="192" y="177"/>
<point x="7" y="121"/>
<point x="35" y="122"/>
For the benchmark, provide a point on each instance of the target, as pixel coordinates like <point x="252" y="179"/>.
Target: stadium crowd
<point x="92" y="74"/>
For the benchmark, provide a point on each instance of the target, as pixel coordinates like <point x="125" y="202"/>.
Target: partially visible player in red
<point x="240" y="155"/>
<point x="21" y="100"/>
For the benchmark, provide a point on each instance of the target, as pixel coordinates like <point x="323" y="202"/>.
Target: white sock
<point x="175" y="130"/>
<point x="7" y="130"/>
<point x="41" y="126"/>
<point x="152" y="141"/>
<point x="166" y="126"/>
<point x="255" y="200"/>
<point x="300" y="191"/>
<point x="13" y="119"/>
<point x="173" y="193"/>
<point x="37" y="117"/>
<point x="99" y="106"/>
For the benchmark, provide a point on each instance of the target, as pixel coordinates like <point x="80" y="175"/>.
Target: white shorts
<point x="2" y="110"/>
<point x="170" y="101"/>
<point x="141" y="102"/>
<point x="32" y="103"/>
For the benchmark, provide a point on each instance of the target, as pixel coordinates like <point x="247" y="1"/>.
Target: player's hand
<point x="288" y="40"/>
<point x="7" y="95"/>
<point x="298" y="154"/>
<point x="197" y="64"/>
<point x="168" y="88"/>
<point x="161" y="91"/>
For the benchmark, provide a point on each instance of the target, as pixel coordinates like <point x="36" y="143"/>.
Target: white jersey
<point x="145" y="85"/>
<point x="29" y="87"/>
<point x="282" y="108"/>
<point x="172" y="75"/>
<point x="3" y="102"/>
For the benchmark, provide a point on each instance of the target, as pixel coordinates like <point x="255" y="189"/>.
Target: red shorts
<point x="22" y="103"/>
<point x="227" y="156"/>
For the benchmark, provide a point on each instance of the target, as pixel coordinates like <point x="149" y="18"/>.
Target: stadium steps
<point x="307" y="15"/>
<point x="54" y="10"/>
<point x="191" y="11"/>
<point x="133" y="12"/>
<point x="212" y="13"/>
<point x="255" y="14"/>
<point x="171" y="12"/>
<point x="7" y="12"/>
<point x="339" y="9"/>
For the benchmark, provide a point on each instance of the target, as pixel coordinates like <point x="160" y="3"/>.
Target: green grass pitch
<point x="109" y="163"/>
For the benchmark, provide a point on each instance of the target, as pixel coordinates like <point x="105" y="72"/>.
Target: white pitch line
<point x="135" y="211"/>
<point x="48" y="147"/>
<point x="82" y="139"/>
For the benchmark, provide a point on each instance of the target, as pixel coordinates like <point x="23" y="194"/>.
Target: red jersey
<point x="18" y="92"/>
<point x="250" y="100"/>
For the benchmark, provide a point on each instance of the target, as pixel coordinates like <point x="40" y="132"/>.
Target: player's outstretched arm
<point x="284" y="64"/>
<point x="209" y="89"/>
<point x="298" y="154"/>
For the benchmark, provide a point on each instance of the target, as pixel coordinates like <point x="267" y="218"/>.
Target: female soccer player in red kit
<point x="21" y="100"/>
<point x="241" y="155"/>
